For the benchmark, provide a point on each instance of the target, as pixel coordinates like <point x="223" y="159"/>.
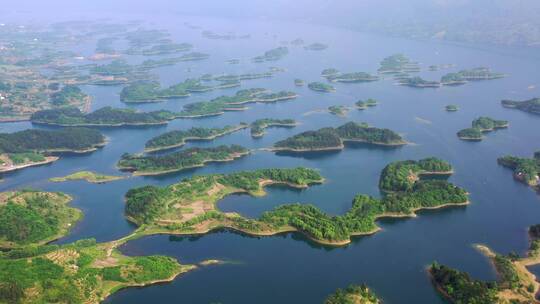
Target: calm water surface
<point x="288" y="268"/>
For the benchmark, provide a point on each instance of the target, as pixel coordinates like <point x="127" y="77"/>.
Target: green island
<point x="34" y="147"/>
<point x="526" y="170"/>
<point x="398" y="63"/>
<point x="79" y="272"/>
<point x="321" y="87"/>
<point x="272" y="55"/>
<point x="89" y="176"/>
<point x="464" y="76"/>
<point x="70" y="95"/>
<point x="530" y="106"/>
<point x="352" y="77"/>
<point x="166" y="49"/>
<point x="364" y="104"/>
<point x="329" y="72"/>
<point x="189" y="207"/>
<point x="222" y="104"/>
<point x="353" y="294"/>
<point x="259" y="126"/>
<point x="316" y="46"/>
<point x="178" y="161"/>
<point x="299" y="82"/>
<point x="178" y="138"/>
<point x="34" y="217"/>
<point x="334" y="138"/>
<point x="418" y="82"/>
<point x="402" y="175"/>
<point x="142" y="92"/>
<point x="480" y="126"/>
<point x="106" y="116"/>
<point x="338" y="110"/>
<point x="515" y="284"/>
<point x="451" y="108"/>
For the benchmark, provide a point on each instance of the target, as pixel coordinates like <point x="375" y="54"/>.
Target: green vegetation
<point x="33" y="217"/>
<point x="88" y="176"/>
<point x="333" y="138"/>
<point x="397" y="63"/>
<point x="34" y="140"/>
<point x="68" y="95"/>
<point x="178" y="138"/>
<point x="364" y="104"/>
<point x="317" y="46"/>
<point x="107" y="116"/>
<point x="473" y="134"/>
<point x="530" y="106"/>
<point x="80" y="272"/>
<point x="220" y="105"/>
<point x="321" y="87"/>
<point x="418" y="82"/>
<point x="167" y="48"/>
<point x="178" y="161"/>
<point x="259" y="126"/>
<point x="480" y="126"/>
<point x="526" y="170"/>
<point x="451" y="108"/>
<point x="272" y="55"/>
<point x="353" y="294"/>
<point x="189" y="206"/>
<point x="338" y="110"/>
<point x="463" y="76"/>
<point x="299" y="82"/>
<point x="352" y="77"/>
<point x="329" y="72"/>
<point x="402" y="175"/>
<point x="459" y="287"/>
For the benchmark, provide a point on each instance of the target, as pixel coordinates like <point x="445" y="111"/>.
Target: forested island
<point x="142" y="92"/>
<point x="299" y="82"/>
<point x="526" y="170"/>
<point x="515" y="283"/>
<point x="530" y="106"/>
<point x="352" y="77"/>
<point x="190" y="206"/>
<point x="418" y="82"/>
<point x="338" y="110"/>
<point x="334" y="138"/>
<point x="321" y="87"/>
<point x="451" y="108"/>
<point x="464" y="76"/>
<point x="222" y="104"/>
<point x="178" y="161"/>
<point x="353" y="294"/>
<point x="272" y="55"/>
<point x="398" y="63"/>
<point x="364" y="104"/>
<point x="88" y="176"/>
<point x="105" y="117"/>
<point x="258" y="127"/>
<point x="33" y="217"/>
<point x="34" y="147"/>
<point x="329" y="72"/>
<point x="178" y="138"/>
<point x="402" y="175"/>
<point x="480" y="126"/>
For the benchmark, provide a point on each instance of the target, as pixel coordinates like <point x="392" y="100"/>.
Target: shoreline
<point x="48" y="160"/>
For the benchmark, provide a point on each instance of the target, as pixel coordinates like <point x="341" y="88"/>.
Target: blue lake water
<point x="288" y="268"/>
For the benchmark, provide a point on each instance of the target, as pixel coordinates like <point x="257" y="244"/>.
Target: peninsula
<point x="530" y="106"/>
<point x="178" y="138"/>
<point x="178" y="161"/>
<point x="526" y="170"/>
<point x="34" y="217"/>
